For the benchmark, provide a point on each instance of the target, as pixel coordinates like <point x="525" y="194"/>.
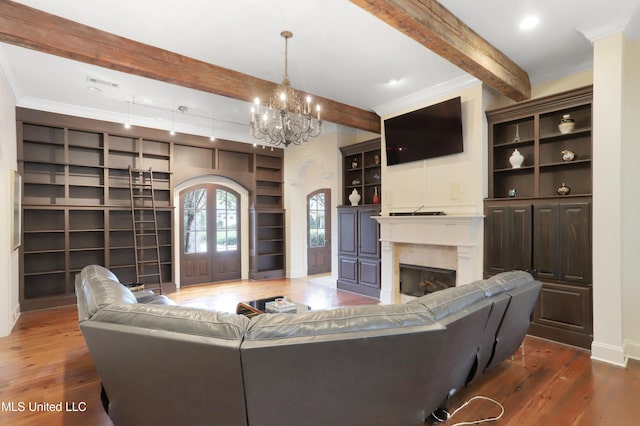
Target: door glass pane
<point x="226" y="221"/>
<point x="316" y="221"/>
<point x="195" y="221"/>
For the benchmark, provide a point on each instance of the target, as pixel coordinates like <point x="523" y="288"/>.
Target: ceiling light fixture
<point x="286" y="120"/>
<point x="529" y="23"/>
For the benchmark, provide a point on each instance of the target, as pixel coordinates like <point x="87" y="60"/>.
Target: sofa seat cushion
<point x="178" y="319"/>
<point x="451" y="300"/>
<point x="337" y="321"/>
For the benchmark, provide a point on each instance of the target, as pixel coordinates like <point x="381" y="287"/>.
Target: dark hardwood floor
<point x="45" y="361"/>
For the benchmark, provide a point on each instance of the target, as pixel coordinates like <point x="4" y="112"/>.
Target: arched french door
<point x="210" y="234"/>
<point x="319" y="232"/>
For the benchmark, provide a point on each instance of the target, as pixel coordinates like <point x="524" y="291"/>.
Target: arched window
<point x="195" y="221"/>
<point x="226" y="221"/>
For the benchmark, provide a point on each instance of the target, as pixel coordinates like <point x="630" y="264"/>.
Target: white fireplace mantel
<point x="461" y="231"/>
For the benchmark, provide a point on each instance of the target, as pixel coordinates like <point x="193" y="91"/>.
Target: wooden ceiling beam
<point x="34" y="29"/>
<point x="435" y="27"/>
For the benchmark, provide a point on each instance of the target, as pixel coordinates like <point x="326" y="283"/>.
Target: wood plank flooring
<point x="45" y="360"/>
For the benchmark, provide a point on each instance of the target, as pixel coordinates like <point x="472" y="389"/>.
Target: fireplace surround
<point x="441" y="241"/>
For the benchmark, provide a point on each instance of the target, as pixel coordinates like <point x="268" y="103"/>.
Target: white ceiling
<point x="338" y="51"/>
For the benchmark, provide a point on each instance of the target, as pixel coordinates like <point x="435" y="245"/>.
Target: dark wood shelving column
<point x="529" y="225"/>
<point x="358" y="233"/>
<point x="267" y="217"/>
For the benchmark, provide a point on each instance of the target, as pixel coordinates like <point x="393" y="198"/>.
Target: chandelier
<point x="286" y="119"/>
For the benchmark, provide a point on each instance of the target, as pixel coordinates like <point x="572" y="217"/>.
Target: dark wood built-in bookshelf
<point x="529" y="225"/>
<point x="359" y="234"/>
<point x="77" y="205"/>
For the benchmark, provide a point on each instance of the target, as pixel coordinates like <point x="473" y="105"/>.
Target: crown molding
<point x="424" y="96"/>
<point x="223" y="130"/>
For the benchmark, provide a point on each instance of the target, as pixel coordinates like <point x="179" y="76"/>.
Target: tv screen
<point x="433" y="131"/>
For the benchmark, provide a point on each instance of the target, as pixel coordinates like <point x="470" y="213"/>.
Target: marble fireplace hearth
<point x="446" y="241"/>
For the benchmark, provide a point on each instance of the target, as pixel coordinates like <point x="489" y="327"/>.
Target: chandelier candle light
<point x="286" y="120"/>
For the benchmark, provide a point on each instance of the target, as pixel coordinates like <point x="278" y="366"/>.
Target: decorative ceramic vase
<point x="563" y="190"/>
<point x="354" y="163"/>
<point x="516" y="159"/>
<point x="567" y="124"/>
<point x="568" y="155"/>
<point x="354" y="198"/>
<point x="376" y="197"/>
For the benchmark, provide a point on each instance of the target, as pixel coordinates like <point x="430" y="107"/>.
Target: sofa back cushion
<point x="509" y="280"/>
<point x="98" y="288"/>
<point x="337" y="321"/>
<point x="450" y="301"/>
<point x="178" y="319"/>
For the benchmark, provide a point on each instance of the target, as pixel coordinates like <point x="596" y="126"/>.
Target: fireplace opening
<point x="418" y="280"/>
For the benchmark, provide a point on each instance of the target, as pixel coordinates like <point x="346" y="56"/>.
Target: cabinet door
<point x="348" y="269"/>
<point x="496" y="239"/>
<point x="347" y="228"/>
<point x="575" y="242"/>
<point x="562" y="242"/>
<point x="507" y="238"/>
<point x="368" y="233"/>
<point x="546" y="241"/>
<point x="520" y="232"/>
<point x="369" y="272"/>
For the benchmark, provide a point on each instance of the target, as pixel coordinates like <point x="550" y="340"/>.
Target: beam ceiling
<point x="426" y="21"/>
<point x="432" y="25"/>
<point x="31" y="28"/>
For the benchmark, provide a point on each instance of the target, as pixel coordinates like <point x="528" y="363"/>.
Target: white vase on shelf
<point x="354" y="198"/>
<point x="516" y="159"/>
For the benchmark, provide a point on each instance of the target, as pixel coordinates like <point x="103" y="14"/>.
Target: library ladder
<point x="145" y="229"/>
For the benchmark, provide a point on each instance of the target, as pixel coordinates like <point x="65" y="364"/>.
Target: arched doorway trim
<point x="244" y="218"/>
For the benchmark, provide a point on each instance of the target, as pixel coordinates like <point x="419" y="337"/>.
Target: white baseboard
<point x="632" y="349"/>
<point x="608" y="353"/>
<point x="14" y="317"/>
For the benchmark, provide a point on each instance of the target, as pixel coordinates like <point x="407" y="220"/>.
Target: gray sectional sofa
<point x="162" y="364"/>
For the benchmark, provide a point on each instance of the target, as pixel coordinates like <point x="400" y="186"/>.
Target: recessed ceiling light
<point x="529" y="23"/>
<point x="393" y="81"/>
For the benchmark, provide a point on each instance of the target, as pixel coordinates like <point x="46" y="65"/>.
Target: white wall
<point x="9" y="298"/>
<point x="307" y="168"/>
<point x="454" y="183"/>
<point x="607" y="200"/>
<point x="631" y="199"/>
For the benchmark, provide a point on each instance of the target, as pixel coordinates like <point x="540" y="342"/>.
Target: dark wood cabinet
<point x="529" y="224"/>
<point x="358" y="233"/>
<point x="359" y="250"/>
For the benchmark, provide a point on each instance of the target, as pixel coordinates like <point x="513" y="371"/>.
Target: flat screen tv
<point x="429" y="132"/>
